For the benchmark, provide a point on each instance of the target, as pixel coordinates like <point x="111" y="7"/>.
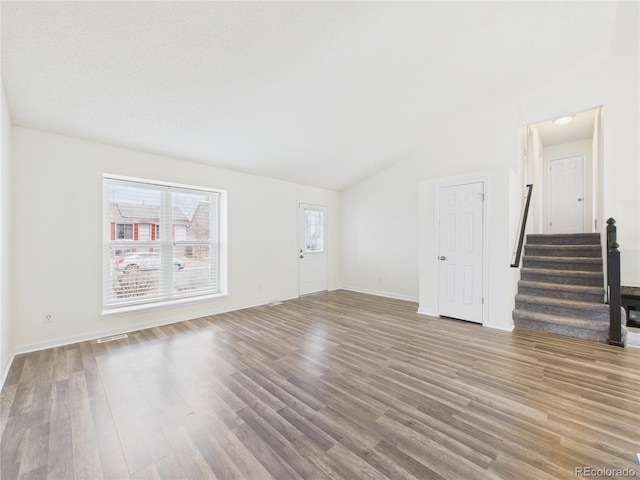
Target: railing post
<point x="613" y="275"/>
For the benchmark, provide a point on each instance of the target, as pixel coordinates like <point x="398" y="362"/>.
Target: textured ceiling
<point x="320" y="93"/>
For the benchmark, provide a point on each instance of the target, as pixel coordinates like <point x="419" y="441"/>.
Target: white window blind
<point x="161" y="242"/>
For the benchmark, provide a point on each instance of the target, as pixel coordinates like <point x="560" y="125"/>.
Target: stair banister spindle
<point x="613" y="284"/>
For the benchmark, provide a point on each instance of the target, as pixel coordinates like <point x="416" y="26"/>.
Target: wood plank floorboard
<point x="338" y="385"/>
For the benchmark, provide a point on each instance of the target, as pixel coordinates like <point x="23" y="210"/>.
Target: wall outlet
<point x="47" y="317"/>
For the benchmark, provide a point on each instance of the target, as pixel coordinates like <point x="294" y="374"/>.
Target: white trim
<point x="158" y="183"/>
<point x="510" y="329"/>
<point x="380" y="294"/>
<point x="5" y="371"/>
<point x="465" y="180"/>
<point x="430" y="313"/>
<point x="60" y="342"/>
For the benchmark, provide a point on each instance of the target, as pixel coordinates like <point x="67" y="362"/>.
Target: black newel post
<point x="613" y="280"/>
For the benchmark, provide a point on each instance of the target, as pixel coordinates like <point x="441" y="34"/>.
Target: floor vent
<point x="112" y="338"/>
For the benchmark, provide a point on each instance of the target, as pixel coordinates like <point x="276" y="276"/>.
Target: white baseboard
<point x="504" y="328"/>
<point x="5" y="370"/>
<point x="426" y="311"/>
<point x="377" y="293"/>
<point x="60" y="342"/>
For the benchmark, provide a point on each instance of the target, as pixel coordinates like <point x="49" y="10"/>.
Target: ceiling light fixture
<point x="563" y="120"/>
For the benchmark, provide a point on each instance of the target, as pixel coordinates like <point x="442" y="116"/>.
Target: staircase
<point x="562" y="286"/>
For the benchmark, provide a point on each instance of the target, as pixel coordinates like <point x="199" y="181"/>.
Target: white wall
<point x="382" y="228"/>
<point x="57" y="236"/>
<point x="614" y="85"/>
<point x="5" y="236"/>
<point x="383" y="231"/>
<point x="535" y="224"/>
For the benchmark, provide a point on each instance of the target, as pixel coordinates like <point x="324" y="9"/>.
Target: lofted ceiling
<point x="319" y="93"/>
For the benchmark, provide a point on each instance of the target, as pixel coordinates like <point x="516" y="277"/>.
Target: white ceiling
<point x="580" y="128"/>
<point x="320" y="93"/>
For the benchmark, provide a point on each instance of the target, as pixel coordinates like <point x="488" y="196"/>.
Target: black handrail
<point x="523" y="226"/>
<point x="613" y="285"/>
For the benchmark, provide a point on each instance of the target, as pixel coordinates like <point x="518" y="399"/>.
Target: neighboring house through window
<point x="162" y="242"/>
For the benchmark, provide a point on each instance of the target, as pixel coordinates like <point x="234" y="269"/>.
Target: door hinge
<point x="482" y="300"/>
<point x="481" y="197"/>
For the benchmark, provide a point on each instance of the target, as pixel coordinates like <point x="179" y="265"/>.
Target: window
<point x="313" y="231"/>
<point x="125" y="232"/>
<point x="161" y="242"/>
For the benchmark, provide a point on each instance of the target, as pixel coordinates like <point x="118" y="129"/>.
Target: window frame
<point x="168" y="295"/>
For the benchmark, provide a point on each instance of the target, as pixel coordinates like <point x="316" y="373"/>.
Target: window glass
<point x="161" y="242"/>
<point x="313" y="231"/>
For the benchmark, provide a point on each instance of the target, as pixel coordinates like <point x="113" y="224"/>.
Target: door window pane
<point x="313" y="231"/>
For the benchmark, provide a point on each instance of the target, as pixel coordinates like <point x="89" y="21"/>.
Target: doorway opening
<point x="562" y="158"/>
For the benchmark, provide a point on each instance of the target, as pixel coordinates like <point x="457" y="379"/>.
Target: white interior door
<point x="313" y="244"/>
<point x="461" y="251"/>
<point x="567" y="195"/>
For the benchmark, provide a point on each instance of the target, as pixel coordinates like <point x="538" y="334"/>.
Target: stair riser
<point x="530" y="262"/>
<point x="599" y="315"/>
<point x="555" y="293"/>
<point x="563" y="279"/>
<point x="590" y="239"/>
<point x="584" y="333"/>
<point x="545" y="251"/>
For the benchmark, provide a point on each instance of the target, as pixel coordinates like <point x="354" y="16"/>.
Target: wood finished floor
<point x="337" y="385"/>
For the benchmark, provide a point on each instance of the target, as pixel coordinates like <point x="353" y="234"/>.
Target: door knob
<point x="301" y="256"/>
<point x="579" y="199"/>
<point x="443" y="258"/>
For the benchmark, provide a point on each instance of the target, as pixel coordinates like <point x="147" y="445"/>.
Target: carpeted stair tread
<point x="564" y="239"/>
<point x="574" y="277"/>
<point x="591" y="251"/>
<point x="573" y="327"/>
<point x="566" y="308"/>
<point x="561" y="290"/>
<point x="568" y="288"/>
<point x="563" y="263"/>
<point x="559" y="319"/>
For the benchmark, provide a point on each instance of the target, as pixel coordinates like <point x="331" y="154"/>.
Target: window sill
<point x="162" y="305"/>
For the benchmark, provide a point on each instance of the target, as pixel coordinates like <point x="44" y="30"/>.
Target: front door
<point x="312" y="251"/>
<point x="567" y="195"/>
<point x="460" y="257"/>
